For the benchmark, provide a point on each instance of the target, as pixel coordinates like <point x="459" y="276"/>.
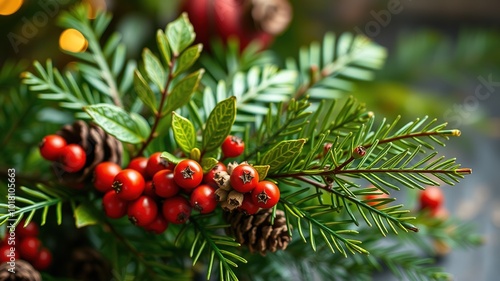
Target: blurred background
<point x="443" y="61"/>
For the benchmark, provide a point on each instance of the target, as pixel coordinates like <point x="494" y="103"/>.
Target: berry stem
<point x="159" y="114"/>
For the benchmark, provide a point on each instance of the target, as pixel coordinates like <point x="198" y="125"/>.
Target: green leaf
<point x="115" y="121"/>
<point x="207" y="163"/>
<point x="180" y="34"/>
<point x="184" y="133"/>
<point x="85" y="214"/>
<point x="262" y="170"/>
<point x="162" y="42"/>
<point x="219" y="124"/>
<point x="144" y="92"/>
<point x="170" y="157"/>
<point x="154" y="69"/>
<point x="142" y="124"/>
<point x="282" y="153"/>
<point x="183" y="91"/>
<point x="188" y="58"/>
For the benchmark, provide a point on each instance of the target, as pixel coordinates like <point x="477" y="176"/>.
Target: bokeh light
<point x="8" y="7"/>
<point x="72" y="40"/>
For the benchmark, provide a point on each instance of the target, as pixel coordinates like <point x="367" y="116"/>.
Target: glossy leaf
<point x="116" y="122"/>
<point x="187" y="59"/>
<point x="219" y="124"/>
<point x="180" y="34"/>
<point x="144" y="92"/>
<point x="154" y="69"/>
<point x="184" y="133"/>
<point x="183" y="91"/>
<point x="282" y="153"/>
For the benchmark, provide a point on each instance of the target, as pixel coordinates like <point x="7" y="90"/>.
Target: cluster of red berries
<point x="23" y="243"/>
<point x="72" y="157"/>
<point x="153" y="192"/>
<point x="239" y="188"/>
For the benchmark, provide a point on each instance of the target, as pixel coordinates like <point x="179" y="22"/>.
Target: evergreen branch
<point x="203" y="239"/>
<point x="47" y="200"/>
<point x="324" y="70"/>
<point x="333" y="238"/>
<point x="405" y="265"/>
<point x="78" y="20"/>
<point x="273" y="129"/>
<point x="391" y="215"/>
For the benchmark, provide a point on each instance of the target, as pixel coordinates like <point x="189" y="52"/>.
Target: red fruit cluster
<point x="23" y="243"/>
<point x="72" y="157"/>
<point x="239" y="187"/>
<point x="432" y="199"/>
<point x="153" y="192"/>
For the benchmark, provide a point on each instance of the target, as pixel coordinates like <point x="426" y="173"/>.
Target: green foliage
<point x="116" y="122"/>
<point x="286" y="116"/>
<point x="219" y="124"/>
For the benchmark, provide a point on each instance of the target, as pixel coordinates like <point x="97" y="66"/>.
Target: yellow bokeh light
<point x="8" y="7"/>
<point x="72" y="40"/>
<point x="95" y="6"/>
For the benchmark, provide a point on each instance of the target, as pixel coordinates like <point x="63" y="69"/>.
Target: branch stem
<point x="159" y="114"/>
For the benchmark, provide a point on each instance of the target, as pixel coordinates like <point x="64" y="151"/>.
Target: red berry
<point x="248" y="206"/>
<point x="104" y="176"/>
<point x="51" y="147"/>
<point x="114" y="207"/>
<point x="73" y="158"/>
<point x="158" y="226"/>
<point x="203" y="199"/>
<point x="29" y="248"/>
<point x="142" y="211"/>
<point x="30" y="230"/>
<point x="176" y="209"/>
<point x="149" y="190"/>
<point x="244" y="178"/>
<point x="188" y="174"/>
<point x="164" y="184"/>
<point x="232" y="146"/>
<point x="373" y="199"/>
<point x="139" y="164"/>
<point x="8" y="253"/>
<point x="208" y="178"/>
<point x="43" y="260"/>
<point x="266" y="194"/>
<point x="432" y="198"/>
<point x="155" y="164"/>
<point x="326" y="147"/>
<point x="129" y="184"/>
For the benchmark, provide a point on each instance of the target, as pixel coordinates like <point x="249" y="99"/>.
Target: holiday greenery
<point x="311" y="180"/>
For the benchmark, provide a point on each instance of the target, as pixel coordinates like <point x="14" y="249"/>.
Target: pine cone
<point x="256" y="230"/>
<point x="98" y="145"/>
<point x="88" y="264"/>
<point x="23" y="272"/>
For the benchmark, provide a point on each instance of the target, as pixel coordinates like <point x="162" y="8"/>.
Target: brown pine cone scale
<point x="257" y="232"/>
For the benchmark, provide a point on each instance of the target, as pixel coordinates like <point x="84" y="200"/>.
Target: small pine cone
<point x="231" y="166"/>
<point x="87" y="264"/>
<point x="256" y="230"/>
<point x="235" y="198"/>
<point x="221" y="194"/>
<point x="23" y="272"/>
<point x="222" y="180"/>
<point x="98" y="145"/>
